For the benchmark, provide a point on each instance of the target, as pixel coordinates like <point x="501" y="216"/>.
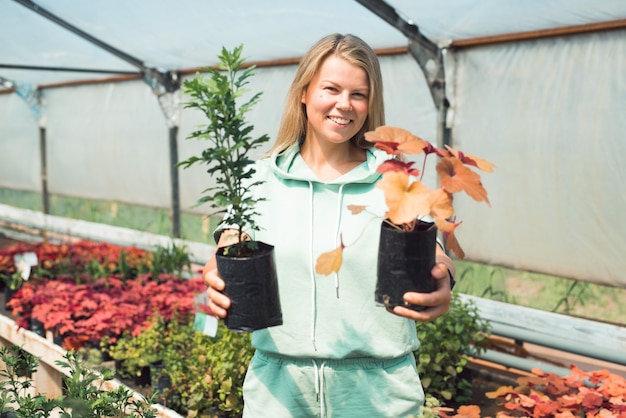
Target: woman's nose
<point x="343" y="103"/>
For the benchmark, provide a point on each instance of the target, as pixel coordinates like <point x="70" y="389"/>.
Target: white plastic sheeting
<point x="550" y="113"/>
<point x="110" y="141"/>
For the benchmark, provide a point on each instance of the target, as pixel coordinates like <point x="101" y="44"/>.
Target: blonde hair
<point x="355" y="51"/>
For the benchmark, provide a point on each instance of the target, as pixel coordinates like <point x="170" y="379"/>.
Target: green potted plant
<point x="84" y="394"/>
<point x="415" y="213"/>
<point x="136" y="355"/>
<point x="255" y="302"/>
<point x="12" y="283"/>
<point x="446" y="346"/>
<point x="207" y="373"/>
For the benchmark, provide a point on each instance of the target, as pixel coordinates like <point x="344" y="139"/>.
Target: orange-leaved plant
<point x="408" y="199"/>
<point x="598" y="393"/>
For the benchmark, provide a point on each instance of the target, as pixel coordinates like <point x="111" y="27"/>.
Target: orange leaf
<point x="546" y="409"/>
<point x="500" y="392"/>
<point x="405" y="201"/>
<point x="531" y="381"/>
<point x="414" y="146"/>
<point x="453" y="245"/>
<point x="455" y="177"/>
<point x="526" y="401"/>
<point x="468" y="411"/>
<point x="537" y="371"/>
<point x="469" y="159"/>
<point x="388" y="147"/>
<point x="329" y="262"/>
<point x="441" y="204"/>
<point x="356" y="209"/>
<point x="568" y="401"/>
<point x="407" y="142"/>
<point x="592" y="400"/>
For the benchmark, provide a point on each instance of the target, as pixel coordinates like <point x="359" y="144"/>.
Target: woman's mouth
<point x="340" y="121"/>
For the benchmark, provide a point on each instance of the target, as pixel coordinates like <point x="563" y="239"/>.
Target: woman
<point x="337" y="354"/>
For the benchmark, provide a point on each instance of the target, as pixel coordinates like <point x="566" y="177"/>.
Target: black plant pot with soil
<point x="405" y="261"/>
<point x="142" y="377"/>
<point x="8" y="295"/>
<point x="159" y="380"/>
<point x="252" y="286"/>
<point x="37" y="327"/>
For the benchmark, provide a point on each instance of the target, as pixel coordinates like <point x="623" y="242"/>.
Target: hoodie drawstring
<point x="319" y="386"/>
<point x="312" y="268"/>
<point x="338" y="232"/>
<point x="337" y="242"/>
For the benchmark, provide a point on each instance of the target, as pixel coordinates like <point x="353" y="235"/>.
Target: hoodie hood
<point x="289" y="165"/>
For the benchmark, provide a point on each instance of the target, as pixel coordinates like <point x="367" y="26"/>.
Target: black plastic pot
<point x="252" y="286"/>
<point x="142" y="378"/>
<point x="8" y="294"/>
<point x="405" y="261"/>
<point x="159" y="379"/>
<point x="37" y="327"/>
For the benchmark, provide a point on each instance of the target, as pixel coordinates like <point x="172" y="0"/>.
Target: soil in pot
<point x="405" y="261"/>
<point x="252" y="286"/>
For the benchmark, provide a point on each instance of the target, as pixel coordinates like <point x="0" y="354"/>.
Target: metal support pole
<point x="44" y="170"/>
<point x="175" y="215"/>
<point x="444" y="134"/>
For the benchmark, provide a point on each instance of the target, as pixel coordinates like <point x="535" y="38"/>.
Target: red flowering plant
<point x="408" y="199"/>
<point x="83" y="259"/>
<point x="97" y="259"/>
<point x="106" y="308"/>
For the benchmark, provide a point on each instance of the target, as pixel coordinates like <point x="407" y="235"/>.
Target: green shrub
<point x="206" y="373"/>
<point x="446" y="345"/>
<point x="83" y="397"/>
<point x="15" y="397"/>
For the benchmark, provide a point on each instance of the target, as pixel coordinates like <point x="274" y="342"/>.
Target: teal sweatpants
<point x="280" y="387"/>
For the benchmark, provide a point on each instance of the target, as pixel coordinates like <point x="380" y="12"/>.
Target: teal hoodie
<point x="326" y="316"/>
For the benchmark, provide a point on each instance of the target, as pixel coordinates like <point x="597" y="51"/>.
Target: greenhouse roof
<point x="43" y="39"/>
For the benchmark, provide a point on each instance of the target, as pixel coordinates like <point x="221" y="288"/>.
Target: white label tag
<point x="206" y="324"/>
<point x="23" y="263"/>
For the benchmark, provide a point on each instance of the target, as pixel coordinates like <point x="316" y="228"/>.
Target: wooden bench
<point x="584" y="337"/>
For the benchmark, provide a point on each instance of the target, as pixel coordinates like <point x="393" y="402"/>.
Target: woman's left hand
<point x="436" y="303"/>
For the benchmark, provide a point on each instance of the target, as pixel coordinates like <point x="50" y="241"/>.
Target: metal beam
<point x="427" y="54"/>
<point x="152" y="76"/>
<point x="68" y="69"/>
<point x="56" y="19"/>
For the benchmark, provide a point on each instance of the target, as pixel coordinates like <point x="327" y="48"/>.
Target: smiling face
<point x="337" y="101"/>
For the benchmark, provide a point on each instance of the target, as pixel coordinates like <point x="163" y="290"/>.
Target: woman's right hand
<point x="218" y="301"/>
